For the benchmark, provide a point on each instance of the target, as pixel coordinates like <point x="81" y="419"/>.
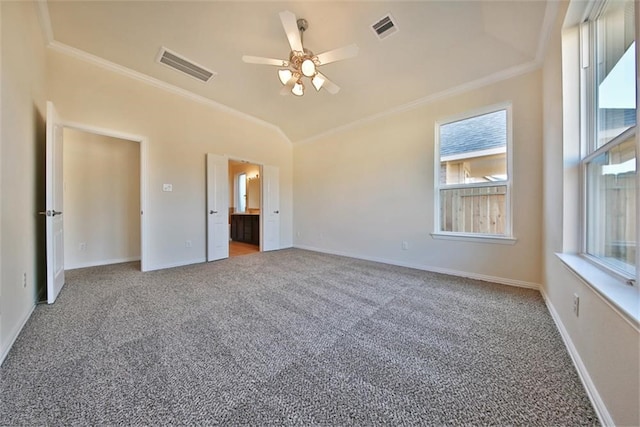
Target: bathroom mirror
<point x="253" y="193"/>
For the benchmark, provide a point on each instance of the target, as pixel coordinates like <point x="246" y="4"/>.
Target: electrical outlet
<point x="576" y="304"/>
<point x="167" y="187"/>
<point x="405" y="245"/>
<point x="82" y="246"/>
<point x="187" y="244"/>
<point x="24" y="280"/>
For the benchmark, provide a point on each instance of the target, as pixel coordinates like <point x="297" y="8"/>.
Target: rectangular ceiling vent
<point x="385" y="27"/>
<point x="184" y="65"/>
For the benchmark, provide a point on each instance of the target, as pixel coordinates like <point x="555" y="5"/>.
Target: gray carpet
<point x="289" y="338"/>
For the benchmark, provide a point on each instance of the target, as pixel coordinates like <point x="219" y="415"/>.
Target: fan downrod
<point x="302" y="25"/>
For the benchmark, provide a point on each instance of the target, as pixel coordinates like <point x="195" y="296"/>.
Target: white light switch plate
<point x="167" y="187"/>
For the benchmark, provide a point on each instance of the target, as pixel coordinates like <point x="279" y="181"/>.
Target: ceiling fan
<point x="302" y="62"/>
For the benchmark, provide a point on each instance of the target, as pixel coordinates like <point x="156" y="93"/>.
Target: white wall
<point x="180" y="132"/>
<point x="376" y="177"/>
<point x="22" y="106"/>
<point x="363" y="191"/>
<point x="606" y="346"/>
<point x="101" y="199"/>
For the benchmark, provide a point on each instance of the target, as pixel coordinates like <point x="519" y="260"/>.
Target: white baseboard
<point x="592" y="392"/>
<point x="14" y="335"/>
<point x="176" y="264"/>
<point x="476" y="276"/>
<point x="100" y="262"/>
<point x="596" y="401"/>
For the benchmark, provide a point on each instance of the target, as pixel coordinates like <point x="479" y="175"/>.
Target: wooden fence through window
<point x="473" y="210"/>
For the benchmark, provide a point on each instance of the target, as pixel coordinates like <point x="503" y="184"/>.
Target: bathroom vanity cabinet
<point x="245" y="227"/>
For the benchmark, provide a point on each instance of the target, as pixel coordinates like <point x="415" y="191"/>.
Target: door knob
<point x="50" y="213"/>
<point x="212" y="212"/>
<point x="276" y="212"/>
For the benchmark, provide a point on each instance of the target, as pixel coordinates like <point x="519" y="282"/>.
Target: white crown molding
<point x="47" y="30"/>
<point x="45" y="21"/>
<point x="119" y="69"/>
<point x="551" y="10"/>
<point x="457" y="90"/>
<point x="550" y="14"/>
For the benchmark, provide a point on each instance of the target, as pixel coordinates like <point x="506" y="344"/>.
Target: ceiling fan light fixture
<point x="298" y="89"/>
<point x="284" y="76"/>
<point x="317" y="82"/>
<point x="302" y="61"/>
<point x="308" y="67"/>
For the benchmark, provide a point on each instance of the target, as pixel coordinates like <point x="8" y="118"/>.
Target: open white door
<point x="270" y="208"/>
<point x="217" y="207"/>
<point x="54" y="187"/>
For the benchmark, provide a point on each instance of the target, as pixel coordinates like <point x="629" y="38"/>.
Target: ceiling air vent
<point x="385" y="27"/>
<point x="184" y="65"/>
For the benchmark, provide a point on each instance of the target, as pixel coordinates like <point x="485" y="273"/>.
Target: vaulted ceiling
<point x="441" y="46"/>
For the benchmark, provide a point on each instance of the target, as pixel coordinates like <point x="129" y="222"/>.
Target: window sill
<point x="621" y="297"/>
<point x="501" y="240"/>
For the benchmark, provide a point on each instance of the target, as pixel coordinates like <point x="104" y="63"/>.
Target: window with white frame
<point x="473" y="174"/>
<point x="242" y="192"/>
<point x="609" y="160"/>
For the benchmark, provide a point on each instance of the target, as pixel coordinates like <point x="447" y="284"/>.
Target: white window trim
<point x="478" y="238"/>
<point x="588" y="135"/>
<point x="236" y="184"/>
<point x="508" y="237"/>
<point x="610" y="286"/>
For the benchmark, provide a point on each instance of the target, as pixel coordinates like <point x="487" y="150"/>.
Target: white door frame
<point x="235" y="195"/>
<point x="263" y="204"/>
<point x="143" y="141"/>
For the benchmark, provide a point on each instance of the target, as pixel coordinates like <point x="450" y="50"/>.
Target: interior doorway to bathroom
<point x="245" y="205"/>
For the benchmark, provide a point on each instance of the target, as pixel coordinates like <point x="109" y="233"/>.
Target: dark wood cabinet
<point x="245" y="228"/>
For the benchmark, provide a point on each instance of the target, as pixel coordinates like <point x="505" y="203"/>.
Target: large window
<point x="473" y="174"/>
<point x="609" y="161"/>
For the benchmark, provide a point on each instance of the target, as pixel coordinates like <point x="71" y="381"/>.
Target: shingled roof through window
<point x="474" y="134"/>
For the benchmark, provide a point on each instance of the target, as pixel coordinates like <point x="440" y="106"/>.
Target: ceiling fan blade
<point x="265" y="61"/>
<point x="338" y="54"/>
<point x="290" y="24"/>
<point x="328" y="85"/>
<point x="286" y="89"/>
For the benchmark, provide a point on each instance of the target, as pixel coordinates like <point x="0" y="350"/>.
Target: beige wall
<point x="363" y="191"/>
<point x="101" y="199"/>
<point x="22" y="104"/>
<point x="180" y="132"/>
<point x="606" y="345"/>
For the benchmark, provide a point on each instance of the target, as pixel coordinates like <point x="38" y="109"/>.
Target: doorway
<point x="245" y="204"/>
<point x="221" y="206"/>
<point x="102" y="198"/>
